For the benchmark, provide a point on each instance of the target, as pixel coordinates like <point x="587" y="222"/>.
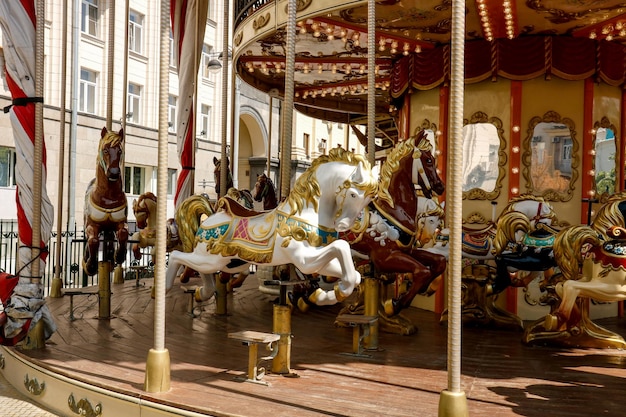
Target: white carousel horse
<point x="601" y="250"/>
<point x="303" y="230"/>
<point x="478" y="243"/>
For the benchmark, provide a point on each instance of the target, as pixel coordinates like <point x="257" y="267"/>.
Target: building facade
<point x="134" y="96"/>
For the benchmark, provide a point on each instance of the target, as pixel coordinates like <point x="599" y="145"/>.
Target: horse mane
<point x="110" y="139"/>
<point x="392" y="164"/>
<point x="525" y="197"/>
<point x="147" y="195"/>
<point x="307" y="189"/>
<point x="610" y="214"/>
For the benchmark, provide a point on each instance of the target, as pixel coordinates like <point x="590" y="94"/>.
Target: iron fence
<point x="72" y="247"/>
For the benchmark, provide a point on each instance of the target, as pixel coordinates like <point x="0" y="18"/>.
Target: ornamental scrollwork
<point x="83" y="407"/>
<point x="33" y="386"/>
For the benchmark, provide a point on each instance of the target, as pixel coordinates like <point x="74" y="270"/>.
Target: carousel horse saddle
<point x="234" y="208"/>
<point x="477" y="241"/>
<point x="542" y="237"/>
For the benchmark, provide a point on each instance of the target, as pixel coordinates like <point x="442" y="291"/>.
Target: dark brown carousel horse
<point x="396" y="204"/>
<point x="243" y="197"/>
<point x="265" y="191"/>
<point x="106" y="208"/>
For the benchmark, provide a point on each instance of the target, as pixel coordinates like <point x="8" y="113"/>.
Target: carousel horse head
<point x="217" y="174"/>
<point x="265" y="191"/>
<point x="111" y="153"/>
<point x="144" y="209"/>
<point x="429" y="220"/>
<point x="350" y="196"/>
<point x="424" y="170"/>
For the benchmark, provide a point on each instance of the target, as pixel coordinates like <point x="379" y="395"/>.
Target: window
<point x="134" y="180"/>
<point x="89" y="17"/>
<point x="7" y="166"/>
<point x="87" y="99"/>
<point x="205" y="116"/>
<point x="171" y="181"/>
<point x="134" y="103"/>
<point x="207" y="52"/>
<point x="172" y="51"/>
<point x="171" y="113"/>
<point x="307" y="139"/>
<point x="135" y="30"/>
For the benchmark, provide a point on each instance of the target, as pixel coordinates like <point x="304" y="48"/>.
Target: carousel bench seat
<point x="361" y="329"/>
<point x="71" y="292"/>
<point x="253" y="339"/>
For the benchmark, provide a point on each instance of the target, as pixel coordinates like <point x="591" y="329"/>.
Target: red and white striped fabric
<point x="188" y="26"/>
<point x="18" y="21"/>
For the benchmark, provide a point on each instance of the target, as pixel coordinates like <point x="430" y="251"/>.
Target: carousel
<point x="496" y="211"/>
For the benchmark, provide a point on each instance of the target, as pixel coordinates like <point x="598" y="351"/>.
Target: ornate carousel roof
<point x="511" y="38"/>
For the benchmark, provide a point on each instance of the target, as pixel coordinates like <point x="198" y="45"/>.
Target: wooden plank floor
<point x="500" y="376"/>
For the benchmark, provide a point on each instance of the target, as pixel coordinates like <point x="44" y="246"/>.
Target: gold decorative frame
<point x="550" y="194"/>
<point x="479" y="193"/>
<point x="605" y="123"/>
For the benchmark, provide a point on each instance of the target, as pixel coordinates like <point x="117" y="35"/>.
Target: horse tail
<point x="568" y="246"/>
<point x="507" y="227"/>
<point x="188" y="219"/>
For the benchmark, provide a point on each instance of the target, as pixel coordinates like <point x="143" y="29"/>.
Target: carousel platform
<point x="97" y="366"/>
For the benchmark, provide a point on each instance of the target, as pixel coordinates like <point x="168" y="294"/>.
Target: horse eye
<point x="353" y="195"/>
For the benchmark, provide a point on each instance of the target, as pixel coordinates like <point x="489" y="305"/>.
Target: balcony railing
<point x="246" y="8"/>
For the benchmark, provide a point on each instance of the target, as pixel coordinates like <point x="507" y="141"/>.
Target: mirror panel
<point x="550" y="157"/>
<point x="605" y="151"/>
<point x="484" y="157"/>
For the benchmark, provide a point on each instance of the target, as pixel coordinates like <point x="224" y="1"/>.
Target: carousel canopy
<point x="511" y="39"/>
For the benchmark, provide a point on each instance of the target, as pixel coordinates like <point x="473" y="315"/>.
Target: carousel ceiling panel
<point x="331" y="48"/>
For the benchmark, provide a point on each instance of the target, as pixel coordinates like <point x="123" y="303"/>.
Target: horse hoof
<point x="315" y="295"/>
<point x="388" y="306"/>
<point x="302" y="305"/>
<point x="551" y="322"/>
<point x="198" y="295"/>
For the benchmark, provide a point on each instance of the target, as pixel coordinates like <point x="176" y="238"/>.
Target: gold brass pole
<point x="104" y="290"/>
<point x="372" y="295"/>
<point x="281" y="364"/>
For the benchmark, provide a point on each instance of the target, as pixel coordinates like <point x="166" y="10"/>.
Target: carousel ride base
<point x="99" y="366"/>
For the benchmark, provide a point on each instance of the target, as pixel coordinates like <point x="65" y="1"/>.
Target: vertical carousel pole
<point x="372" y="289"/>
<point x="221" y="307"/>
<point x="452" y="402"/>
<point x="157" y="377"/>
<point x="57" y="282"/>
<point x="118" y="271"/>
<point x="35" y="338"/>
<point x="282" y="313"/>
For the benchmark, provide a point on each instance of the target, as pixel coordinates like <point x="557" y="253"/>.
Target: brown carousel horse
<point x="145" y="208"/>
<point x="265" y="191"/>
<point x="106" y="208"/>
<point x="393" y="228"/>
